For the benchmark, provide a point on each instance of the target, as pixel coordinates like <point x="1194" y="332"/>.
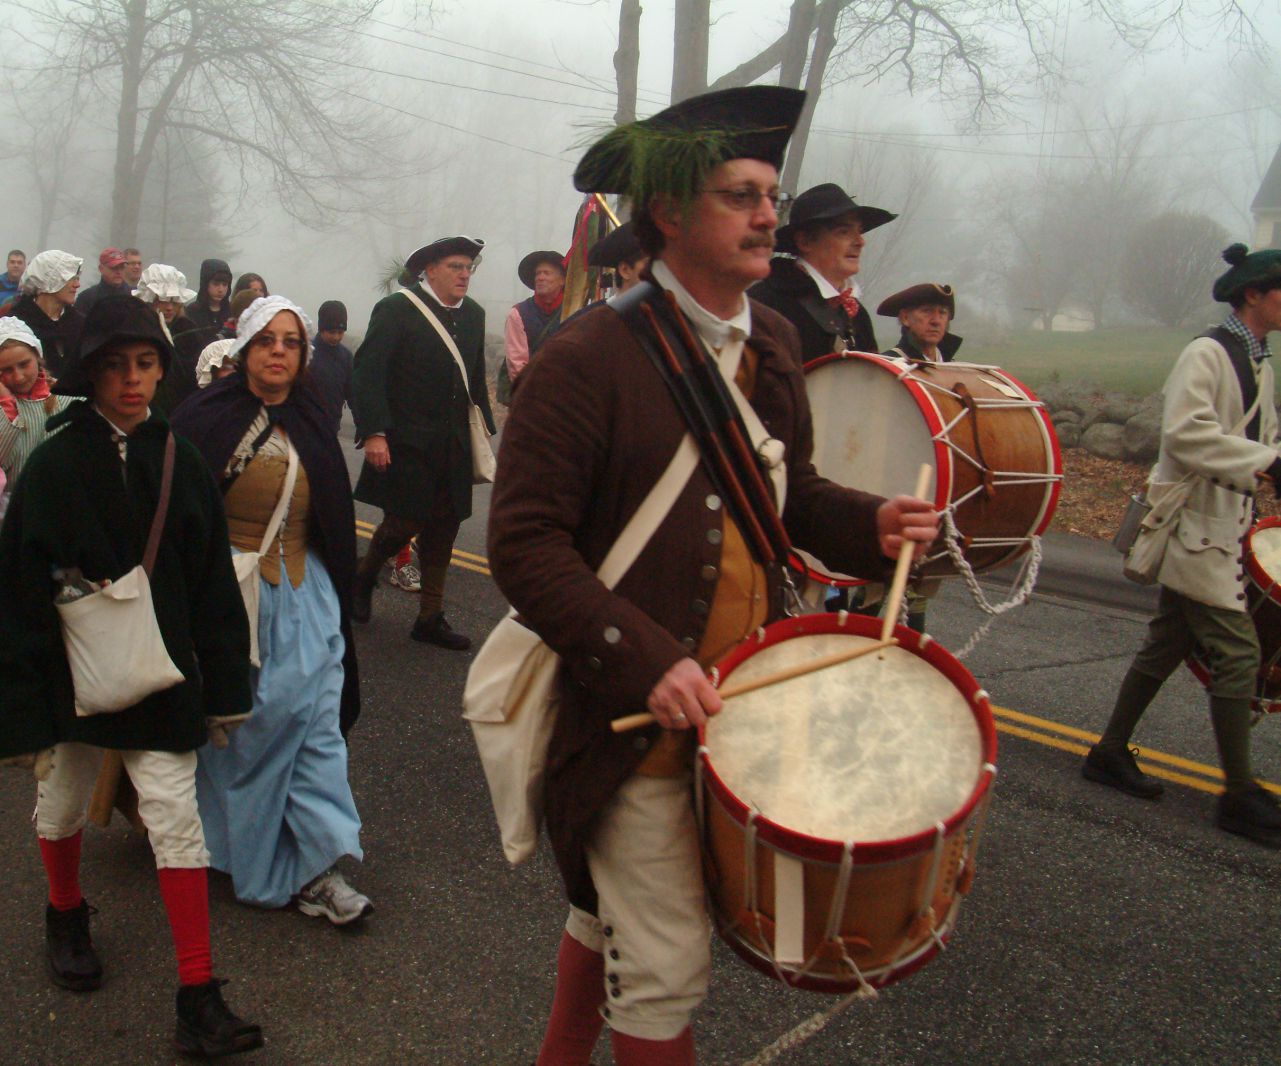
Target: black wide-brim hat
<point x="533" y="261"/>
<point x="112" y="320"/>
<point x="439" y="249"/>
<point x="670" y="153"/>
<point x="927" y="294"/>
<point x="826" y="203"/>
<point x="620" y="246"/>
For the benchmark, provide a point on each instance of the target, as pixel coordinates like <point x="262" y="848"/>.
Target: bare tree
<point x="1171" y="264"/>
<point x="42" y="136"/>
<point x="976" y="53"/>
<point x="268" y="82"/>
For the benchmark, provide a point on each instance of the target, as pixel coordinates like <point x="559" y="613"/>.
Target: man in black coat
<point x="924" y="311"/>
<point x="811" y="284"/>
<point x="412" y="403"/>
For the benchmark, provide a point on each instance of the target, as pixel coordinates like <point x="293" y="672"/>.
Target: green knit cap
<point x="1248" y="269"/>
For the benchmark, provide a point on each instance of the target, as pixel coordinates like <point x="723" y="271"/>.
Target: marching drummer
<point x="812" y="281"/>
<point x="924" y="312"/>
<point x="1210" y="439"/>
<point x="588" y="439"/>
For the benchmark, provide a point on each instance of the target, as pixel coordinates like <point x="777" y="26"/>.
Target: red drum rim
<point x="821" y="849"/>
<point x="1268" y="584"/>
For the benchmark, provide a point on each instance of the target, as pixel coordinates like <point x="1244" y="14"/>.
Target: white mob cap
<point x="50" y="271"/>
<point x="256" y="316"/>
<point x="14" y="329"/>
<point x="217" y="354"/>
<point x="163" y="282"/>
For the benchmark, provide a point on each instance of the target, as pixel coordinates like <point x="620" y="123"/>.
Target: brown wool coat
<point x="592" y="428"/>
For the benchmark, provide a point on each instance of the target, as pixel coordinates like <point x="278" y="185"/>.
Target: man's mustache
<point x="763" y="241"/>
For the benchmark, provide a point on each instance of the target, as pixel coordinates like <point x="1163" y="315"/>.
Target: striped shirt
<point x="21" y="436"/>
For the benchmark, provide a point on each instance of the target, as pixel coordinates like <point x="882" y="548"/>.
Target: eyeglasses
<point x="268" y="341"/>
<point x="749" y="197"/>
<point x="462" y="268"/>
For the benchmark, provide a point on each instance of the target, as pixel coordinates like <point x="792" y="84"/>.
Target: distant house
<point x="1267" y="207"/>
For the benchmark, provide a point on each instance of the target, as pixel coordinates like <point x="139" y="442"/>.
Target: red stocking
<point x="62" y="866"/>
<point x="633" y="1051"/>
<point x="575" y="1022"/>
<point x="186" y="896"/>
<point x="405" y="556"/>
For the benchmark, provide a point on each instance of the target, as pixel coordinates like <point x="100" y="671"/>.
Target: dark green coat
<point x="406" y="384"/>
<point x="78" y="505"/>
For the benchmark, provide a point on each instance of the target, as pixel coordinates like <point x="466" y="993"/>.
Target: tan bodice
<point x="250" y="502"/>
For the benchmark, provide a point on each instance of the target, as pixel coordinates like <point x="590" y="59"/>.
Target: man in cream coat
<point x="1218" y="430"/>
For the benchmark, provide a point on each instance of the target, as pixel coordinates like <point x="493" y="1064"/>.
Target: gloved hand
<point x="222" y="726"/>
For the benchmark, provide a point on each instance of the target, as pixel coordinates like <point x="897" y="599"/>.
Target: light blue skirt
<point x="275" y="803"/>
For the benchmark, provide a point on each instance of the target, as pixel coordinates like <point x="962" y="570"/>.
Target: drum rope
<point x="806" y="1029"/>
<point x="1021" y="590"/>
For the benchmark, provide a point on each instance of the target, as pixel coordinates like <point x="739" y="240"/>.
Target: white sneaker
<point x="329" y="896"/>
<point x="407" y="577"/>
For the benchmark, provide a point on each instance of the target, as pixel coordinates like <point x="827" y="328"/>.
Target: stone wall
<point x="1111" y="425"/>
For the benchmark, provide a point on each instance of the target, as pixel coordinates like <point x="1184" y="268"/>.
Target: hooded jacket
<point x="198" y="310"/>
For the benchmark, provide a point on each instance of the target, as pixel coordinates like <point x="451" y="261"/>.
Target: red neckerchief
<point x="39" y="391"/>
<point x="548" y="306"/>
<point x="845" y="298"/>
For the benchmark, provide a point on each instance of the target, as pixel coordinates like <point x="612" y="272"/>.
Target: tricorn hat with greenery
<point x="671" y="153"/>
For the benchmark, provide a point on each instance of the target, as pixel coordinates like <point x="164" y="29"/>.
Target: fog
<point x="487" y="104"/>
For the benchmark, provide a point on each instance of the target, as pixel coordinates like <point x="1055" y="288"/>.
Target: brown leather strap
<point x="162" y="509"/>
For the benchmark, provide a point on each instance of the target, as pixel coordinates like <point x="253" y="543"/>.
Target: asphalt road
<point x="1101" y="929"/>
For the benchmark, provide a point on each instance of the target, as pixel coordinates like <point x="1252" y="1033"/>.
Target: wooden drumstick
<point x="635" y="721"/>
<point x="906" y="552"/>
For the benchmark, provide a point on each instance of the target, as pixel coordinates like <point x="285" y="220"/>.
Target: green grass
<point x="1132" y="359"/>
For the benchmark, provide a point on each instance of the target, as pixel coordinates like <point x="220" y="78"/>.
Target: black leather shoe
<point x="207" y="1027"/>
<point x="1251" y="812"/>
<point x="72" y="960"/>
<point x="435" y="630"/>
<point x="362" y="598"/>
<point x="1117" y="769"/>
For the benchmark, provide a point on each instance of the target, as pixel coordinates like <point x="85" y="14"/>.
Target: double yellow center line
<point x="1042" y="731"/>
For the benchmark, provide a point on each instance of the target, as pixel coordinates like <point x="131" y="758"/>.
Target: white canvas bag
<point x="248" y="565"/>
<point x="483" y="463"/>
<point x="114" y="646"/>
<point x="510" y="697"/>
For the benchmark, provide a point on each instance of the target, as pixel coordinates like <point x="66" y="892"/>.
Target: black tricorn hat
<point x="824" y="203"/>
<point x="927" y="294"/>
<point x="671" y="153"/>
<point x="112" y="320"/>
<point x="533" y="261"/>
<point x="439" y="249"/>
<point x="620" y="246"/>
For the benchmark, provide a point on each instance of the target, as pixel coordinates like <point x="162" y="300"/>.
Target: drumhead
<point x="1265" y="543"/>
<point x="869" y="432"/>
<point x="870" y="750"/>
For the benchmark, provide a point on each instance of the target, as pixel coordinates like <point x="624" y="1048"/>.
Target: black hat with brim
<point x="826" y="203"/>
<point x="1248" y="270"/>
<point x="672" y="152"/>
<point x="620" y="246"/>
<point x="440" y="249"/>
<point x="533" y="261"/>
<point x="927" y="294"/>
<point x="112" y="320"/>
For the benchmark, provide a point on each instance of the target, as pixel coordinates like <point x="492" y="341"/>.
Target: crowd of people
<point x="186" y="442"/>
